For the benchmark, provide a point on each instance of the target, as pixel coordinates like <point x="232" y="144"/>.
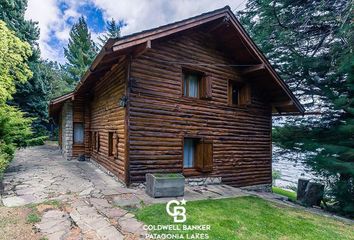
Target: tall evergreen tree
<point x="113" y="30"/>
<point x="311" y="45"/>
<point x="12" y="12"/>
<point x="31" y="96"/>
<point x="81" y="50"/>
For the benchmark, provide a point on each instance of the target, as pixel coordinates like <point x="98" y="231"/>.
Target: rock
<point x="301" y="188"/>
<point x="14" y="201"/>
<point x="127" y="200"/>
<point x="87" y="191"/>
<point x="114" y="212"/>
<point x="100" y="203"/>
<point x="313" y="194"/>
<point x="130" y="225"/>
<point x="55" y="224"/>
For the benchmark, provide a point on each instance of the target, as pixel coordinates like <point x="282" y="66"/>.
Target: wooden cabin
<point x="194" y="97"/>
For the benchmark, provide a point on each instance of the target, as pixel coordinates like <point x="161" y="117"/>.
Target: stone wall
<point x="67" y="130"/>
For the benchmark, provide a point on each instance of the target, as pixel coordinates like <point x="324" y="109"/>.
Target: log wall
<point x="104" y="116"/>
<point x="160" y="117"/>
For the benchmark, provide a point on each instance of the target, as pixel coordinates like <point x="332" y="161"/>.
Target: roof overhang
<point x="116" y="50"/>
<point x="56" y="103"/>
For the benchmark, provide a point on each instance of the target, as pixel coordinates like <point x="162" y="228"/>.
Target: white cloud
<point x="138" y="14"/>
<point x="144" y="14"/>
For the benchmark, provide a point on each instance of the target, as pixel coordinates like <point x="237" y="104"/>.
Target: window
<point x="198" y="154"/>
<point x="234" y="88"/>
<point x="189" y="152"/>
<point x="110" y="144"/>
<point x="191" y="83"/>
<point x="96" y="141"/>
<point x="94" y="135"/>
<point x="78" y="133"/>
<point x="239" y="93"/>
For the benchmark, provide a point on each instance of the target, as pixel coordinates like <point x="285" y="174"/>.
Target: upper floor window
<point x="197" y="84"/>
<point x="239" y="93"/>
<point x="191" y="84"/>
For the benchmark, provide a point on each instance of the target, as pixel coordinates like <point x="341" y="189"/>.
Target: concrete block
<point x="165" y="185"/>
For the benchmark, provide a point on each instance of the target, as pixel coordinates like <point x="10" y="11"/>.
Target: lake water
<point x="290" y="169"/>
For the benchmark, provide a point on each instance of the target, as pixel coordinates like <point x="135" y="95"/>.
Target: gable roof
<point x="114" y="49"/>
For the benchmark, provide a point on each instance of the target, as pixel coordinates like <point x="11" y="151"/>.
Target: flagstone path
<point x="95" y="203"/>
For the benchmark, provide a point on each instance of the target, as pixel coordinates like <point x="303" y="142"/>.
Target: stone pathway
<point x="95" y="203"/>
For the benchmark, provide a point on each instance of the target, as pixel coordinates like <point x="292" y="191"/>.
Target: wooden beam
<point x="253" y="69"/>
<point x="282" y="104"/>
<point x="141" y="49"/>
<point x="167" y="30"/>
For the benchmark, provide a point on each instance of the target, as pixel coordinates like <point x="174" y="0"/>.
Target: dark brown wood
<point x="252" y="69"/>
<point x="136" y="115"/>
<point x="160" y="117"/>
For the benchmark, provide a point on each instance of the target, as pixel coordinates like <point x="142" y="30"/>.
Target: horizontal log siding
<point x="160" y="117"/>
<point x="107" y="116"/>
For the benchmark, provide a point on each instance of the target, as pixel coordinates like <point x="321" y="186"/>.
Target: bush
<point x="5" y="158"/>
<point x="36" y="141"/>
<point x="14" y="130"/>
<point x="275" y="175"/>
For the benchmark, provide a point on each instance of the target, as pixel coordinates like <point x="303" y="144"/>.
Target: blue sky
<point x="55" y="17"/>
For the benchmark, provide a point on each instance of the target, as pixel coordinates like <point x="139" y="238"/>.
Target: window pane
<point x="78" y="133"/>
<point x="188" y="153"/>
<point x="234" y="94"/>
<point x="185" y="86"/>
<point x="193" y="85"/>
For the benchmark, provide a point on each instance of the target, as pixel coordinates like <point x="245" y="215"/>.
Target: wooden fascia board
<point x="139" y="39"/>
<point x="257" y="52"/>
<point x="62" y="98"/>
<point x="141" y="49"/>
<point x="256" y="68"/>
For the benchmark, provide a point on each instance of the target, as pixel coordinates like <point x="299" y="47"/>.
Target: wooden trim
<point x="256" y="68"/>
<point x="127" y="122"/>
<point x="168" y="30"/>
<point x="121" y="46"/>
<point x="258" y="53"/>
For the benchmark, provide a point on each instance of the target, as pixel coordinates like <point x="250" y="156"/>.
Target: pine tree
<point x="311" y="45"/>
<point x="31" y="96"/>
<point x="81" y="50"/>
<point x="113" y="30"/>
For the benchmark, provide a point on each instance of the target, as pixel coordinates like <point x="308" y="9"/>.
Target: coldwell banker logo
<point x="176" y="209"/>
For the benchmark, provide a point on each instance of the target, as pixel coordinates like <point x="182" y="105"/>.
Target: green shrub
<point x="275" y="175"/>
<point x="14" y="130"/>
<point x="33" y="218"/>
<point x="36" y="141"/>
<point x="4" y="162"/>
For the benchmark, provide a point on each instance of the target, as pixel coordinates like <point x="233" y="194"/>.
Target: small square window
<point x="239" y="93"/>
<point x="198" y="154"/>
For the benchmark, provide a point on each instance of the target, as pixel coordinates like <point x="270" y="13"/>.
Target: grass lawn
<point x="249" y="218"/>
<point x="290" y="194"/>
